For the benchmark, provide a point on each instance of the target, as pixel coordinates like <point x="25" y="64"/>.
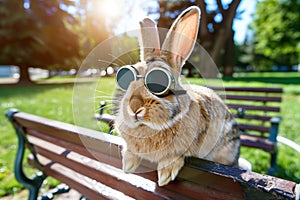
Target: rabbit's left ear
<point x="149" y="40"/>
<point x="181" y="37"/>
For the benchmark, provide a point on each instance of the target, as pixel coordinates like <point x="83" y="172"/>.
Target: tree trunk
<point x="224" y="33"/>
<point x="24" y="76"/>
<point x="229" y="56"/>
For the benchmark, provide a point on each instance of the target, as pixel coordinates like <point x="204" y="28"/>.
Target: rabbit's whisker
<point x="131" y="58"/>
<point x="118" y="59"/>
<point x="100" y="97"/>
<point x="100" y="91"/>
<point x="108" y="62"/>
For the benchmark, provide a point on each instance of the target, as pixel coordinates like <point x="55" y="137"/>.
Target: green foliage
<point x="37" y="34"/>
<point x="215" y="31"/>
<point x="92" y="28"/>
<point x="277" y="31"/>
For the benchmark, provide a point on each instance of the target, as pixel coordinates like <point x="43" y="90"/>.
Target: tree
<point x="36" y="33"/>
<point x="215" y="34"/>
<point x="244" y="54"/>
<point x="277" y="32"/>
<point x="93" y="29"/>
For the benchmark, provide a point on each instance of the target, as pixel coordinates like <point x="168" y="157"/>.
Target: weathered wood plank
<point x="257" y="142"/>
<point x="254" y="107"/>
<point x="86" y="186"/>
<point x="245" y="127"/>
<point x="251" y="98"/>
<point x="249" y="89"/>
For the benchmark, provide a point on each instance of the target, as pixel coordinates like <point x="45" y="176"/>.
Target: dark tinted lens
<point x="157" y="81"/>
<point x="124" y="77"/>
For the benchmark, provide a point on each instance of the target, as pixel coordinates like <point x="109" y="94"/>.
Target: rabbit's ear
<point x="149" y="40"/>
<point x="181" y="37"/>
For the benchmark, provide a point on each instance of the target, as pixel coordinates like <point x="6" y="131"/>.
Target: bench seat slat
<point x="106" y="176"/>
<point x="113" y="158"/>
<point x="75" y="180"/>
<point x="116" y="179"/>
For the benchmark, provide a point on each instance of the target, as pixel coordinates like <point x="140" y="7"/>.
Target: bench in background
<point x="257" y="111"/>
<point x="90" y="162"/>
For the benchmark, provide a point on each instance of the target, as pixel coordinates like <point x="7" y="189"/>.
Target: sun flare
<point x="110" y="8"/>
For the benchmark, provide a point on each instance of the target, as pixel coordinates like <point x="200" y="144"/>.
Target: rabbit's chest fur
<point x="155" y="145"/>
<point x="201" y="132"/>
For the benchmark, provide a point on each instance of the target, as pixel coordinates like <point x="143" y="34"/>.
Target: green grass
<point x="56" y="101"/>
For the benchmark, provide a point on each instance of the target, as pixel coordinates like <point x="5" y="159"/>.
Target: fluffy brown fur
<point x="166" y="129"/>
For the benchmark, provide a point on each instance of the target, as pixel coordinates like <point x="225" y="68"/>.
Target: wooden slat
<point x="265" y="187"/>
<point x="251" y="98"/>
<point x="77" y="181"/>
<point x="127" y="183"/>
<point x="105" y="153"/>
<point x="252" y="107"/>
<point x="258" y="128"/>
<point x="94" y="140"/>
<point x="254" y="117"/>
<point x="110" y="155"/>
<point x="106" y="175"/>
<point x="257" y="142"/>
<point x="249" y="89"/>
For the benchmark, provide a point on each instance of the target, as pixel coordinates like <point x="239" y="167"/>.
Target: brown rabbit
<point x="162" y="120"/>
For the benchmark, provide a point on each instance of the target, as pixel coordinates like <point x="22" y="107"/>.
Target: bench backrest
<point x="96" y="157"/>
<point x="252" y="107"/>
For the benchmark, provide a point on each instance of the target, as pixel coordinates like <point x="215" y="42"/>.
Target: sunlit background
<point x="58" y="35"/>
<point x="44" y="43"/>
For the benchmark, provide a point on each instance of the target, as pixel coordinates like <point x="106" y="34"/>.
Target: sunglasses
<point x="158" y="81"/>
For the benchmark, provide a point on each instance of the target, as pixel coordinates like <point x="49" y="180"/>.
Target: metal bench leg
<point x="273" y="138"/>
<point x="34" y="184"/>
<point x="273" y="163"/>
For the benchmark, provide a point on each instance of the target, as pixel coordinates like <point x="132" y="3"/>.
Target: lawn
<point x="56" y="101"/>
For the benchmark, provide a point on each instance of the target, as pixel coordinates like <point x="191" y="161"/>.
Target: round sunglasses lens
<point x="124" y="77"/>
<point x="157" y="81"/>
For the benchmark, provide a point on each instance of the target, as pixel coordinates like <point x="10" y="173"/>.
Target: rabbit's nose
<point x="139" y="114"/>
<point x="135" y="103"/>
<point x="137" y="108"/>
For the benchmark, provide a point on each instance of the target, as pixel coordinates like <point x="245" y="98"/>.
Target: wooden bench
<point x="90" y="162"/>
<point x="257" y="111"/>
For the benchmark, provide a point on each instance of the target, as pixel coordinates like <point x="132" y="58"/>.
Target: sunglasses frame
<point x="130" y="68"/>
<point x="171" y="80"/>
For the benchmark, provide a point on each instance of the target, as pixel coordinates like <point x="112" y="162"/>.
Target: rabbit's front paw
<point x="169" y="172"/>
<point x="130" y="162"/>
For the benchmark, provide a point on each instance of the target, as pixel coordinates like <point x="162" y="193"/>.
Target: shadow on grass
<point x="19" y="90"/>
<point x="10" y="90"/>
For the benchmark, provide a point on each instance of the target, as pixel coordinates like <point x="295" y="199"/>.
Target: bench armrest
<point x="32" y="184"/>
<point x="275" y="121"/>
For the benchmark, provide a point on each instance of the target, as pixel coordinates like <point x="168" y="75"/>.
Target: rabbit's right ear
<point x="149" y="40"/>
<point x="181" y="38"/>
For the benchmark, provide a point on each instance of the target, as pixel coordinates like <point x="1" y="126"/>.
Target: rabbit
<point x="184" y="120"/>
